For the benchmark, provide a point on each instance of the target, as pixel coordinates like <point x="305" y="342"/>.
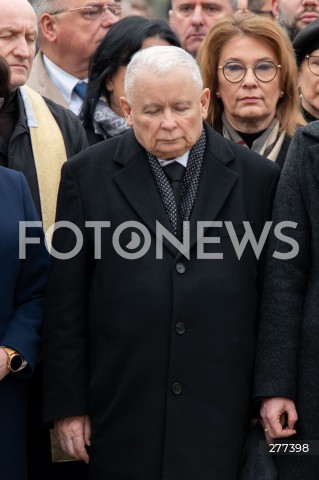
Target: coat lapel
<point x="216" y="183"/>
<point x="136" y="183"/>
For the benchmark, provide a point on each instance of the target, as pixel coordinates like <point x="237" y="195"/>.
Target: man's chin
<point x="170" y="155"/>
<point x="193" y="44"/>
<point x="17" y="82"/>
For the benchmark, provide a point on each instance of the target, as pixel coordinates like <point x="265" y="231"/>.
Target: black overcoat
<point x="159" y="352"/>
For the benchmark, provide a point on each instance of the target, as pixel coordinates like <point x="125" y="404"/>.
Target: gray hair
<point x="160" y="60"/>
<point x="47" y="6"/>
<point x="234" y="4"/>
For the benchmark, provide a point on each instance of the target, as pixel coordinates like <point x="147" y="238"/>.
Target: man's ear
<point x="47" y="26"/>
<point x="275" y="9"/>
<point x="126" y="109"/>
<point x="204" y="100"/>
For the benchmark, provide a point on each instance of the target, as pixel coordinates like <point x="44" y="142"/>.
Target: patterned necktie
<point x="175" y="173"/>
<point x="80" y="89"/>
<point x="189" y="184"/>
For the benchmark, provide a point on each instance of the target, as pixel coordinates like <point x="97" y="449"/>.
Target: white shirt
<point x="182" y="160"/>
<point x="65" y="83"/>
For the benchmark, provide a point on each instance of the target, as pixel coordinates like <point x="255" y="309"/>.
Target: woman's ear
<point x="109" y="85"/>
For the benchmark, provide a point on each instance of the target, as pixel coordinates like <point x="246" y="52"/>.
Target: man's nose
<point x="108" y="18"/>
<point x="21" y="48"/>
<point x="168" y="120"/>
<point x="198" y="15"/>
<point x="313" y="3"/>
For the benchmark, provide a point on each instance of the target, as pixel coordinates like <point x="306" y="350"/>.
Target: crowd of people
<point x="159" y="186"/>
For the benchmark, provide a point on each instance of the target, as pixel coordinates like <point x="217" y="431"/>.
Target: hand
<point x="279" y="416"/>
<point x="3" y="364"/>
<point x="73" y="434"/>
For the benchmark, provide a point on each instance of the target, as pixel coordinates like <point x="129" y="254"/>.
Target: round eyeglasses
<point x="94" y="11"/>
<point x="313" y="63"/>
<point x="235" y="72"/>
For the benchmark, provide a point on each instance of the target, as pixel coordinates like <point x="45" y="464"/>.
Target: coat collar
<point x="311" y="133"/>
<point x="41" y="82"/>
<point x="136" y="183"/>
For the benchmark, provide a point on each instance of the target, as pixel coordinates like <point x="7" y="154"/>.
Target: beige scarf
<point x="48" y="151"/>
<point x="267" y="144"/>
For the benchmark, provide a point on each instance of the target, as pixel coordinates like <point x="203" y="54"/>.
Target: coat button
<point x="180" y="328"/>
<point x="177" y="388"/>
<point x="180" y="268"/>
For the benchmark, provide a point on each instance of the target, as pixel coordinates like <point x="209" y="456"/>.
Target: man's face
<point x="191" y="20"/>
<point x="167" y="116"/>
<point x="78" y="34"/>
<point x="18" y="32"/>
<point x="295" y="15"/>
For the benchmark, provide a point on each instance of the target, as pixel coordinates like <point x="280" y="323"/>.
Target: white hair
<point x="160" y="60"/>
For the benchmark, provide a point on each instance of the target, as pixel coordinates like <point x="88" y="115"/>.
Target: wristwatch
<point x="15" y="360"/>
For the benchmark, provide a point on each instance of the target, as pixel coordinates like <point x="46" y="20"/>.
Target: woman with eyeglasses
<point x="306" y="45"/>
<point x="101" y="113"/>
<point x="248" y="63"/>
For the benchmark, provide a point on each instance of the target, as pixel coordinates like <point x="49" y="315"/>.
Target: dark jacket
<point x="159" y="352"/>
<point x="288" y="353"/>
<point x="22" y="288"/>
<point x="18" y="154"/>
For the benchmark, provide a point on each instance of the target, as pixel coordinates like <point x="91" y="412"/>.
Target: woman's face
<point x="249" y="105"/>
<point x="309" y="85"/>
<point x="115" y="86"/>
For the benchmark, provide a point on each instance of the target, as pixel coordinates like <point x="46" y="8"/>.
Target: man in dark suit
<point x="149" y="350"/>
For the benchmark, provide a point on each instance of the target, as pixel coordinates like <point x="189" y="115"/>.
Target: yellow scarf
<point x="48" y="151"/>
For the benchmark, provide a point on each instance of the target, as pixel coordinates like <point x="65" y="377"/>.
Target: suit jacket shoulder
<point x="41" y="82"/>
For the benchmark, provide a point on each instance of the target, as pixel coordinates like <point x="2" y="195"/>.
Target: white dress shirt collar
<point x="65" y="84"/>
<point x="182" y="160"/>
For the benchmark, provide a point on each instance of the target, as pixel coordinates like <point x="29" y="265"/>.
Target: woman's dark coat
<point x="288" y="353"/>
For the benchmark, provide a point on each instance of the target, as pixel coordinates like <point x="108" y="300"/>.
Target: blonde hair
<point x="261" y="28"/>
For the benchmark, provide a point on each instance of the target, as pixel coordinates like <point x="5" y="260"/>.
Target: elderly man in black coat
<point x="149" y="337"/>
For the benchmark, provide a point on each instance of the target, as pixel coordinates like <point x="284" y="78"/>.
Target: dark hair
<point x="5" y="77"/>
<point x="120" y="43"/>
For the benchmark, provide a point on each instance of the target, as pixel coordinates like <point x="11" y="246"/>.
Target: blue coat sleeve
<point x="24" y="330"/>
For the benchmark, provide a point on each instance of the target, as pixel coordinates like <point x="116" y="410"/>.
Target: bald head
<point x="18" y="33"/>
<point x="16" y="6"/>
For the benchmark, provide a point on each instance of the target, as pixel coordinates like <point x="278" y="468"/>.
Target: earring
<point x="217" y="94"/>
<point x="281" y="94"/>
